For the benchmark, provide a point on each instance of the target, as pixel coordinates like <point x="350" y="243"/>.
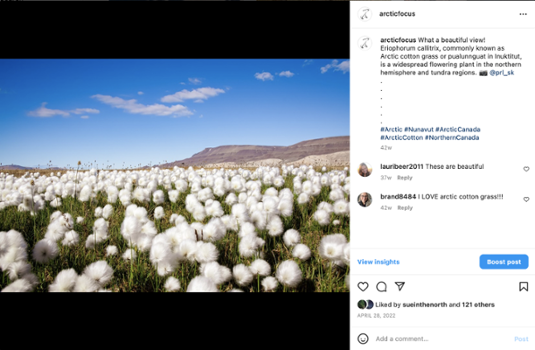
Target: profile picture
<point x="365" y="199"/>
<point x="364" y="170"/>
<point x="362" y="304"/>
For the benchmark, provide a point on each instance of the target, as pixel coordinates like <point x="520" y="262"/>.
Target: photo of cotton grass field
<point x="174" y="175"/>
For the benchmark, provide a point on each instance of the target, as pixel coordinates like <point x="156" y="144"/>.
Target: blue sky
<point x="141" y="111"/>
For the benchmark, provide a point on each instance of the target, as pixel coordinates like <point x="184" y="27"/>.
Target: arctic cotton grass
<point x="84" y="283"/>
<point x="202" y="284"/>
<point x="111" y="250"/>
<point x="71" y="238"/>
<point x="301" y="251"/>
<point x="242" y="275"/>
<point x="20" y="285"/>
<point x="172" y="284"/>
<point x="260" y="210"/>
<point x="270" y="284"/>
<point x="158" y="197"/>
<point x="260" y="267"/>
<point x="64" y="281"/>
<point x="275" y="226"/>
<point x="206" y="252"/>
<point x="291" y="237"/>
<point x="289" y="274"/>
<point x="99" y="271"/>
<point x="129" y="254"/>
<point x="159" y="213"/>
<point x="215" y="272"/>
<point x="322" y="217"/>
<point x="107" y="211"/>
<point x="44" y="251"/>
<point x="331" y="246"/>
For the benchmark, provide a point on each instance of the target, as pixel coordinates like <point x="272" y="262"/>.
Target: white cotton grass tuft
<point x="55" y="215"/>
<point x="158" y="197"/>
<point x="64" y="281"/>
<point x="100" y="272"/>
<point x="336" y="222"/>
<point x="341" y="207"/>
<point x="188" y="249"/>
<point x="172" y="284"/>
<point x="285" y="207"/>
<point x="242" y="275"/>
<point x="322" y="217"/>
<point x="44" y="251"/>
<point x="206" y="252"/>
<point x="98" y="212"/>
<point x="85" y="284"/>
<point x="56" y="202"/>
<point x="235" y="290"/>
<point x="303" y="198"/>
<point x="291" y="237"/>
<point x="326" y="206"/>
<point x="129" y="254"/>
<point x="249" y="245"/>
<point x="275" y="226"/>
<point x="346" y="252"/>
<point x="71" y="238"/>
<point x="111" y="250"/>
<point x="20" y="285"/>
<point x="18" y="269"/>
<point x="302" y="252"/>
<point x="270" y="284"/>
<point x="289" y="274"/>
<point x="107" y="211"/>
<point x="202" y="284"/>
<point x="247" y="229"/>
<point x="260" y="267"/>
<point x="159" y="213"/>
<point x="215" y="272"/>
<point x="79" y="220"/>
<point x="331" y="246"/>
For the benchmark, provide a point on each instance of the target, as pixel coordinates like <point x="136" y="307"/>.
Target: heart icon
<point x="526" y="199"/>
<point x="363" y="286"/>
<point x="526" y="168"/>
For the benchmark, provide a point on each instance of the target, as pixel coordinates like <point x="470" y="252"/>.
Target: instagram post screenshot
<point x="441" y="142"/>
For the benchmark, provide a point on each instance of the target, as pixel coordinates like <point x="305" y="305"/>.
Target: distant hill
<point x="243" y="154"/>
<point x="13" y="167"/>
<point x="18" y="167"/>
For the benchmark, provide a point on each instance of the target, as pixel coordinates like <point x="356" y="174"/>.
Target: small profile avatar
<point x="365" y="199"/>
<point x="364" y="170"/>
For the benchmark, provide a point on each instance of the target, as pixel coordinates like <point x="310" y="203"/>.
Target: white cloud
<point x="194" y="81"/>
<point x="132" y="106"/>
<point x="85" y="117"/>
<point x="140" y="92"/>
<point x="264" y="76"/>
<point x="197" y="94"/>
<point x="44" y="112"/>
<point x="85" y="110"/>
<point x="343" y="66"/>
<point x="307" y="62"/>
<point x="286" y="74"/>
<point x="201" y="116"/>
<point x="182" y="84"/>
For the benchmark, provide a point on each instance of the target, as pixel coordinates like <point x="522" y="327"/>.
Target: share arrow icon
<point x="400" y="285"/>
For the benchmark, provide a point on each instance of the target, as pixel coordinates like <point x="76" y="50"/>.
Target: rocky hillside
<point x="244" y="154"/>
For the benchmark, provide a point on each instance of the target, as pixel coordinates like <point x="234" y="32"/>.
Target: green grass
<point x="140" y="276"/>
